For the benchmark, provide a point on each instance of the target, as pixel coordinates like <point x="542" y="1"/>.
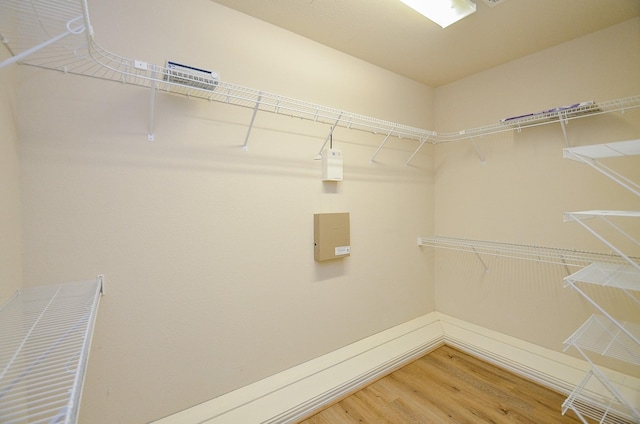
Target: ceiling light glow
<point x="442" y="12"/>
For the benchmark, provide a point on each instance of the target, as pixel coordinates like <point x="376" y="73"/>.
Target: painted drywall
<point x="10" y="223"/>
<point x="521" y="191"/>
<point x="207" y="250"/>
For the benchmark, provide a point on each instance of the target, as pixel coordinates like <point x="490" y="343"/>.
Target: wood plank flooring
<point x="448" y="386"/>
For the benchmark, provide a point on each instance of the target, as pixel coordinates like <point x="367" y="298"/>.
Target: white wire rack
<point x="543" y="118"/>
<point x="602" y="336"/>
<point x="57" y="34"/>
<point x="551" y="255"/>
<point x="583" y="217"/>
<point x="46" y="335"/>
<point x="587" y="401"/>
<point x="591" y="155"/>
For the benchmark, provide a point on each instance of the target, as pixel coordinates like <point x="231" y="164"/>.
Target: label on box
<point x="343" y="250"/>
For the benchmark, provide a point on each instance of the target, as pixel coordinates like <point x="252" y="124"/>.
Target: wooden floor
<point x="448" y="386"/>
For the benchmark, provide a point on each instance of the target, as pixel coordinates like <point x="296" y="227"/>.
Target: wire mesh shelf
<point x="610" y="275"/>
<point x="545" y="118"/>
<point x="551" y="255"/>
<point x="57" y="34"/>
<point x="46" y="335"/>
<point x="602" y="336"/>
<point x="587" y="401"/>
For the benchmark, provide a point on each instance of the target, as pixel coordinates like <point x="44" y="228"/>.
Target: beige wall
<point x="520" y="193"/>
<point x="10" y="226"/>
<point x="208" y="250"/>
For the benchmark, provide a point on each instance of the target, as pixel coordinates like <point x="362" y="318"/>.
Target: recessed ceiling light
<point x="443" y="12"/>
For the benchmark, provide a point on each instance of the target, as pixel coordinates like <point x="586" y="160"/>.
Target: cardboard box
<point x="331" y="236"/>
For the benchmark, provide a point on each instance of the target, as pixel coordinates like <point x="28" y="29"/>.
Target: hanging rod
<point x="79" y="53"/>
<point x="551" y="255"/>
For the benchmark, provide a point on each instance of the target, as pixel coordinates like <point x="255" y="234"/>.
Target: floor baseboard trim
<point x="552" y="369"/>
<point x="322" y="401"/>
<point x="299" y="392"/>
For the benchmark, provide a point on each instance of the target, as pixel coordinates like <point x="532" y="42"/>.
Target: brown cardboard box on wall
<point x="331" y="236"/>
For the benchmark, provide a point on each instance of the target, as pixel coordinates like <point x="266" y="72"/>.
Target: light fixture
<point x="443" y="12"/>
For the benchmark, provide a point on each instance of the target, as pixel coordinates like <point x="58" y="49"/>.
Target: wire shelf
<point x="605" y="150"/>
<point x="534" y="120"/>
<point x="551" y="255"/>
<point x="57" y="34"/>
<point x="46" y="334"/>
<point x="587" y="404"/>
<point x="610" y="275"/>
<point x="602" y="336"/>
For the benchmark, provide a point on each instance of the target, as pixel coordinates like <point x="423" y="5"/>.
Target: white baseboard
<point x="298" y="392"/>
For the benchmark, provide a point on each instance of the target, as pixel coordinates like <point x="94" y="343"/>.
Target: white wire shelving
<point x="46" y="337"/>
<point x="591" y="155"/>
<point x="58" y="35"/>
<point x="603" y="336"/>
<point x="587" y="401"/>
<point x="600" y="334"/>
<point x="606" y="335"/>
<point x="551" y="255"/>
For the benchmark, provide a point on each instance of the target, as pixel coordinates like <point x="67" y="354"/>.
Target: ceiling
<point x="389" y="34"/>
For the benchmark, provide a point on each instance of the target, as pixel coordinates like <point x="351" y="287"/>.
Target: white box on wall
<point x="332" y="165"/>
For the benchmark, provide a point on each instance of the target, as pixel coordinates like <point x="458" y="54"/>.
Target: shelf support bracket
<point x="382" y="145"/>
<point x="253" y="118"/>
<point x="608" y="172"/>
<point x="152" y="107"/>
<point x="329" y="136"/>
<point x="607" y="242"/>
<point x="564" y="263"/>
<point x="478" y="152"/>
<point x="563" y="125"/>
<point x="424" y="140"/>
<point x="602" y="310"/>
<point x="486" y="268"/>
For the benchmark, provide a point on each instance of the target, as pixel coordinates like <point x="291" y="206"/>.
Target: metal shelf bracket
<point x="372" y="160"/>
<point x="152" y="106"/>
<point x="329" y="137"/>
<point x="479" y="153"/>
<point x="253" y="118"/>
<point x="422" y="141"/>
